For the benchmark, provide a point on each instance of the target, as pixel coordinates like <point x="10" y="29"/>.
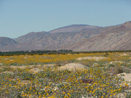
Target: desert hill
<point x="75" y="37"/>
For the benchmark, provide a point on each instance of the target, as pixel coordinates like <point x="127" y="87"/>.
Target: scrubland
<point x="104" y="75"/>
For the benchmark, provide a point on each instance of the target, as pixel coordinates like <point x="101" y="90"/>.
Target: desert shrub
<point x="118" y="69"/>
<point x="27" y="76"/>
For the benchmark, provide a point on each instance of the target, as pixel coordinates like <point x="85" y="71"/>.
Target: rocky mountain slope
<point x="74" y="37"/>
<point x="73" y="28"/>
<point x="6" y="42"/>
<point x="114" y="38"/>
<point x="56" y="40"/>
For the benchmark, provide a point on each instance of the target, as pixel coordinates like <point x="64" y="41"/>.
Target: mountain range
<point x="77" y="37"/>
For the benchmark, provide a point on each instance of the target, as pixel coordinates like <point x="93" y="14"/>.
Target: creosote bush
<point x="118" y="69"/>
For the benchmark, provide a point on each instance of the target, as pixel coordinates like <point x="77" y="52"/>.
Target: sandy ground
<point x="73" y="67"/>
<point x="124" y="54"/>
<point x="8" y="72"/>
<point x="91" y="58"/>
<point x="113" y="62"/>
<point x="126" y="76"/>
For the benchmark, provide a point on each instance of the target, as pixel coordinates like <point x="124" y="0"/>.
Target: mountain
<point x="75" y="37"/>
<point x="31" y="36"/>
<point x="55" y="40"/>
<point x="73" y="28"/>
<point x="114" y="38"/>
<point x="5" y="41"/>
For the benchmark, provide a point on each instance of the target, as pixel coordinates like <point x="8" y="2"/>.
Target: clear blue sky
<point x="19" y="17"/>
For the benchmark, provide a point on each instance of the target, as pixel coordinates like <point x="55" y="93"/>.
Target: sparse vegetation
<point x="38" y="76"/>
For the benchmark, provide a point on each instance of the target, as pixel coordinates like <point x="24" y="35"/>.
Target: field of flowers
<point x="38" y="76"/>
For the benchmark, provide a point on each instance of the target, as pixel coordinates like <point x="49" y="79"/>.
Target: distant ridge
<point x="5" y="41"/>
<point x="77" y="37"/>
<point x="73" y="28"/>
<point x="113" y="38"/>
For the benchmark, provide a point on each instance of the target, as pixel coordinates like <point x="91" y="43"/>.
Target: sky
<point x="19" y="17"/>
